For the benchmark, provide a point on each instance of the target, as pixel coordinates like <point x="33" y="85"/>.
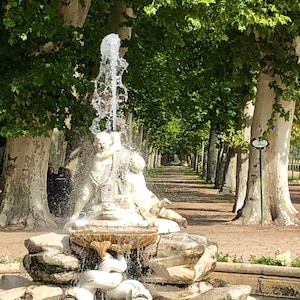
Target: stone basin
<point x="103" y="235"/>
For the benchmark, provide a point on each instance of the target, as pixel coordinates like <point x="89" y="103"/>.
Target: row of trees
<point x="215" y="61"/>
<point x="195" y="67"/>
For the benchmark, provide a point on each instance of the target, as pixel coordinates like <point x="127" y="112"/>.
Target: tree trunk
<point x="243" y="159"/>
<point x="203" y="161"/>
<point x="75" y="12"/>
<point x="25" y="172"/>
<point x="158" y="159"/>
<point x="212" y="157"/>
<point x="229" y="184"/>
<point x="221" y="164"/>
<point x="196" y="166"/>
<point x="192" y="160"/>
<point x="275" y="204"/>
<point x="119" y="9"/>
<point x="151" y="158"/>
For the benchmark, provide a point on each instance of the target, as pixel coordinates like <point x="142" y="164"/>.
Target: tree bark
<point x="75" y="12"/>
<point x="221" y="164"/>
<point x="25" y="172"/>
<point x="275" y="204"/>
<point x="203" y="161"/>
<point x="212" y="157"/>
<point x="229" y="184"/>
<point x="243" y="159"/>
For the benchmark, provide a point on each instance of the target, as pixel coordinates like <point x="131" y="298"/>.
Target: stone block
<point x="13" y="294"/>
<point x="184" y="244"/>
<point x="42" y="271"/>
<point x="236" y="292"/>
<point x="48" y="241"/>
<point x="43" y="292"/>
<point x="10" y="281"/>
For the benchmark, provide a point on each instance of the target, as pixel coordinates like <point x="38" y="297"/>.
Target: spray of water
<point x="109" y="90"/>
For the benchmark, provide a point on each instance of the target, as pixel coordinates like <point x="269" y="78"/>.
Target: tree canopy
<point x="46" y="66"/>
<point x="198" y="60"/>
<point x="192" y="60"/>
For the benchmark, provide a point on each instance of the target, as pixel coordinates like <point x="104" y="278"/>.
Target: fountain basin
<point x="104" y="235"/>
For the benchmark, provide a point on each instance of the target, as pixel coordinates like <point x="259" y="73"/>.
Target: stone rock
<point x="190" y="259"/>
<point x="87" y="256"/>
<point x="232" y="292"/>
<point x="13" y="294"/>
<point x="183" y="244"/>
<point x="43" y="292"/>
<point x="8" y="282"/>
<point x="178" y="246"/>
<point x="206" y="263"/>
<point x="35" y="292"/>
<point x="171" y="261"/>
<point x="10" y="268"/>
<point x="171" y="292"/>
<point x="199" y="288"/>
<point x="48" y="241"/>
<point x="176" y="274"/>
<point x="51" y="267"/>
<point x="180" y="265"/>
<point x="54" y="258"/>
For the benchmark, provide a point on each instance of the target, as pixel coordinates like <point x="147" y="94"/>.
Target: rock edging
<point x="245" y="268"/>
<point x="263" y="279"/>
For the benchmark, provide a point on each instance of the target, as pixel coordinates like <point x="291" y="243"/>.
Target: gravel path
<point x="210" y="213"/>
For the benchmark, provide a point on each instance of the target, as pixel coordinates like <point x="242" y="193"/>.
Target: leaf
<point x="9" y="23"/>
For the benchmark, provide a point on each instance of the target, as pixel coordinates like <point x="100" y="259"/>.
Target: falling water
<point x="109" y="91"/>
<point x="134" y="265"/>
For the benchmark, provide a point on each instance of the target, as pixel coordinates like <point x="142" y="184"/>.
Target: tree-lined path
<point x="210" y="213"/>
<point x="207" y="212"/>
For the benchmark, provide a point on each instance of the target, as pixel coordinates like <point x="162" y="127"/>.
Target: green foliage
<point x="47" y="67"/>
<point x="235" y="139"/>
<point x="191" y="64"/>
<point x="179" y="92"/>
<point x="4" y="259"/>
<point x="265" y="260"/>
<point x="212" y="55"/>
<point x="296" y="263"/>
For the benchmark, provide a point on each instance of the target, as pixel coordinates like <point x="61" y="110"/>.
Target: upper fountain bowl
<point x="102" y="236"/>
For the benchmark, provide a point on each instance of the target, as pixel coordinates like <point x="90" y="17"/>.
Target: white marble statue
<point x="109" y="279"/>
<point x="116" y="189"/>
<point x="99" y="193"/>
<point x="148" y="204"/>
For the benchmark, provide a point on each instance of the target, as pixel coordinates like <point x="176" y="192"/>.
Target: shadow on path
<point x="199" y="202"/>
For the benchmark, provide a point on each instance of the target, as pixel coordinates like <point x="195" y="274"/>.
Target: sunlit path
<point x="210" y="212"/>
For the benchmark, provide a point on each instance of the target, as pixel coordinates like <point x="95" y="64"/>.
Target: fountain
<point x="118" y="223"/>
